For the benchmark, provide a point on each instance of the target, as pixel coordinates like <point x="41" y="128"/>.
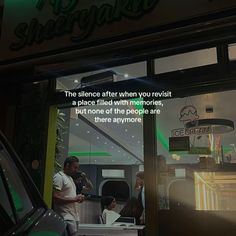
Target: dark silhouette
<point x="82" y="182"/>
<point x="132" y="208"/>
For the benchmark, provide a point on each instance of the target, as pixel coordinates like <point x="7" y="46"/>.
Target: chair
<point x="100" y="220"/>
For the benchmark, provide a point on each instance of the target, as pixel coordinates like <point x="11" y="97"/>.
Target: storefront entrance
<point x="191" y="178"/>
<point x="170" y="68"/>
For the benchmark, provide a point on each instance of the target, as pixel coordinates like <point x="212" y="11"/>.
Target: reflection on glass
<point x="124" y="72"/>
<point x="186" y="60"/>
<point x="114" y="142"/>
<point x="21" y="200"/>
<point x="202" y="178"/>
<point x="215" y="190"/>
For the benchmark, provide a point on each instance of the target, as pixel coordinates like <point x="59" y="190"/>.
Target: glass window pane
<point x="5" y="204"/>
<point x="113" y="143"/>
<point x="186" y="60"/>
<point x="215" y="190"/>
<point x="18" y="192"/>
<point x="124" y="72"/>
<point x="110" y="141"/>
<point x="232" y="51"/>
<point x="203" y="177"/>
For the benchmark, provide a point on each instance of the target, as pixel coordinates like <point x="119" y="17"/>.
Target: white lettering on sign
<point x="191" y="131"/>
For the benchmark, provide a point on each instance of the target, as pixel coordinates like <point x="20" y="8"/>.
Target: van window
<point x="16" y="188"/>
<point x="5" y="204"/>
<point x="7" y="218"/>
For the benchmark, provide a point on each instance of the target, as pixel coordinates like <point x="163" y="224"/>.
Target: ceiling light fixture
<point x="99" y="78"/>
<point x="217" y="126"/>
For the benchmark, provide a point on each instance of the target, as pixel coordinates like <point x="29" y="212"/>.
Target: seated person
<point x="132" y="209"/>
<point x="82" y="182"/>
<point x="107" y="204"/>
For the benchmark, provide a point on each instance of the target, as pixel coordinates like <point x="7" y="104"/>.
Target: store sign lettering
<point x="80" y="23"/>
<point x="191" y="131"/>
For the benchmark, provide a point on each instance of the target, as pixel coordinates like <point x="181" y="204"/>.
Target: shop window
<point x="186" y="60"/>
<point x="232" y="52"/>
<point x="124" y="72"/>
<point x="202" y="177"/>
<point x="215" y="191"/>
<point x="181" y="195"/>
<point x="105" y="143"/>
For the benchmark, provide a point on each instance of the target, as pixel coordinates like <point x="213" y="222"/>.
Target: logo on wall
<point x="189" y="114"/>
<point x="69" y="19"/>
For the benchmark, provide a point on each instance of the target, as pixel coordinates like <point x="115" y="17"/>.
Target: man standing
<point x="65" y="198"/>
<point x="140" y="186"/>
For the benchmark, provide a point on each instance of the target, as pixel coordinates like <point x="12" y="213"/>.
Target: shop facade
<point x="55" y="40"/>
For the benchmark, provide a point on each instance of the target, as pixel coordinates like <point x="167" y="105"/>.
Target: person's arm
<point x="142" y="217"/>
<point x="87" y="183"/>
<point x="143" y="197"/>
<point x="60" y="199"/>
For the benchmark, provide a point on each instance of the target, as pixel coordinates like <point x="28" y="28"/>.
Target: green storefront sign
<point x="77" y="23"/>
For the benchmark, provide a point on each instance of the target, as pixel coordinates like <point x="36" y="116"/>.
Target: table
<point x="107" y="230"/>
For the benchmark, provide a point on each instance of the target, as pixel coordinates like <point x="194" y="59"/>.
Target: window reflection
<point x="19" y="195"/>
<point x="215" y="190"/>
<point x="124" y="72"/>
<point x="186" y="60"/>
<point x="202" y="178"/>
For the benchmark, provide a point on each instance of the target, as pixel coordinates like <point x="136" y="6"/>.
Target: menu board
<point x="179" y="143"/>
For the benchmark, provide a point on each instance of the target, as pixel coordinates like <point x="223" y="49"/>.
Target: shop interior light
<point x="90" y="154"/>
<point x="218" y="126"/>
<point x="100" y="78"/>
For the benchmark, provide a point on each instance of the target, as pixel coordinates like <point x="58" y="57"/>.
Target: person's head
<point x="108" y="202"/>
<point x="139" y="179"/>
<point x="71" y="165"/>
